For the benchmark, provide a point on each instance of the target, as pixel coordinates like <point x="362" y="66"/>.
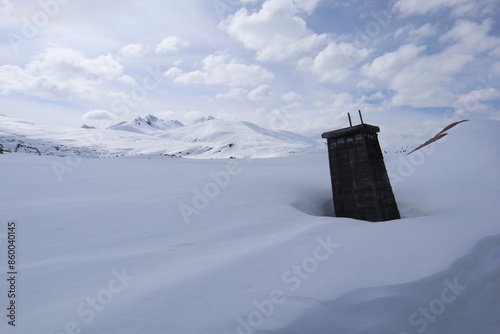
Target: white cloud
<point x="171" y="44"/>
<point x="473" y="101"/>
<point x="426" y="82"/>
<point x="335" y="62"/>
<point x="5" y="7"/>
<point x="58" y="74"/>
<point x="173" y="72"/>
<point x="496" y="68"/>
<point x="424" y="31"/>
<point x="220" y="69"/>
<point x="342" y="103"/>
<point x="275" y="32"/>
<point x="168" y="115"/>
<point x="389" y="64"/>
<point x="290" y="97"/>
<point x="193" y="114"/>
<point x="457" y="8"/>
<point x="99" y="115"/>
<point x="125" y="79"/>
<point x="402" y="30"/>
<point x="366" y="85"/>
<point x="472" y="37"/>
<point x="420" y="80"/>
<point x="232" y="94"/>
<point x="260" y="93"/>
<point x="409" y="7"/>
<point x="133" y="50"/>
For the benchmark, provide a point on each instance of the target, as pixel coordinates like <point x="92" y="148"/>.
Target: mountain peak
<point x="203" y="119"/>
<point x="139" y="120"/>
<point x="147" y="124"/>
<point x="151" y="119"/>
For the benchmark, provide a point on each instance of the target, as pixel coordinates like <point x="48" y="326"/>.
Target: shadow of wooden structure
<point x="360" y="184"/>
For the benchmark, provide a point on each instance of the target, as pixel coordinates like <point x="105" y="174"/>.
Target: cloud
<point x="420" y="7"/>
<point x="260" y="93"/>
<point x="133" y="50"/>
<point x="496" y="68"/>
<point x="423" y="81"/>
<point x="127" y="80"/>
<point x="389" y="64"/>
<point x="275" y="32"/>
<point x="100" y="115"/>
<point x="5" y="7"/>
<point x="171" y="44"/>
<point x="471" y="37"/>
<point x="232" y="94"/>
<point x="473" y="101"/>
<point x="335" y="62"/>
<point x="426" y="80"/>
<point x="168" y="114"/>
<point x="458" y="8"/>
<point x="58" y="74"/>
<point x="290" y="97"/>
<point x="424" y="31"/>
<point x="221" y="69"/>
<point x="193" y="114"/>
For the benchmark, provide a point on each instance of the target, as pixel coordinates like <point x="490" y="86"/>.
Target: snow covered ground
<point x="151" y="244"/>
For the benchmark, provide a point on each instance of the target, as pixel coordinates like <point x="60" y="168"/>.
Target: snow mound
<point x="464" y="293"/>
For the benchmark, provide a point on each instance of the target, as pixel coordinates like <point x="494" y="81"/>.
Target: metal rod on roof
<point x="350" y="122"/>
<point x="361" y="117"/>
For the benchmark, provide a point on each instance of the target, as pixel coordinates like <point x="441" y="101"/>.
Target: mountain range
<point x="206" y="137"/>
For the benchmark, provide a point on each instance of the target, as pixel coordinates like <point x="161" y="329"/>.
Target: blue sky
<point x="299" y="65"/>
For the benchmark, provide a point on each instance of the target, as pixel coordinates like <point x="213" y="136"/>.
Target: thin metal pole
<point x="361" y="117"/>
<point x="350" y="122"/>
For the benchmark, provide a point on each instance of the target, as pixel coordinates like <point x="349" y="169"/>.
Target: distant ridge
<point x="439" y="135"/>
<point x="205" y="138"/>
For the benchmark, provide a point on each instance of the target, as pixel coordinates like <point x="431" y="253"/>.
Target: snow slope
<point x="165" y="245"/>
<point x="209" y="138"/>
<point x="149" y="124"/>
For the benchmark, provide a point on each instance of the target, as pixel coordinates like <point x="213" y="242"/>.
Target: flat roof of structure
<point x="351" y="130"/>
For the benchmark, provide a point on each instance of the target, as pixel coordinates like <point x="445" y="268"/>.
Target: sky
<point x="298" y="65"/>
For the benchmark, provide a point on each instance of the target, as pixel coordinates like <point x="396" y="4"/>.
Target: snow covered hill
<point x="174" y="246"/>
<point x="149" y="124"/>
<point x="205" y="138"/>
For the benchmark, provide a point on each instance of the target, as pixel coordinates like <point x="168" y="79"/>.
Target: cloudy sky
<point x="301" y="65"/>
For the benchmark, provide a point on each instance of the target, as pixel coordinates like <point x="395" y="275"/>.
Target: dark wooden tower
<point x="360" y="184"/>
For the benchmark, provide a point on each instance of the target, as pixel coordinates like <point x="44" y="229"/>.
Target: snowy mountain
<point x="241" y="134"/>
<point x="204" y="138"/>
<point x="148" y="125"/>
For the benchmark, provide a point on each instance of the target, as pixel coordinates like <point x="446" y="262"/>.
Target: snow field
<point x="254" y="258"/>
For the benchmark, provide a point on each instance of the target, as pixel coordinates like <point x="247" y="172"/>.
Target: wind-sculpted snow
<point x="449" y="302"/>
